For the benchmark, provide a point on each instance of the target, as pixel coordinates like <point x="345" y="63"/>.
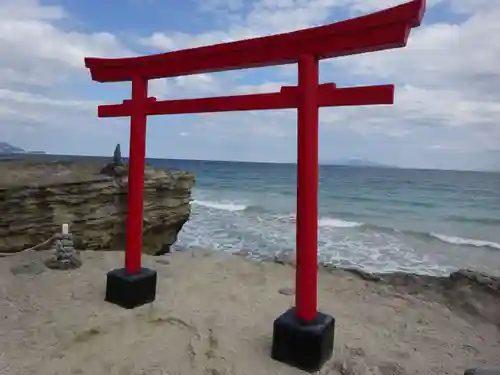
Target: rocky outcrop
<point x="471" y="292"/>
<point x="468" y="292"/>
<point x="116" y="167"/>
<point x="36" y="198"/>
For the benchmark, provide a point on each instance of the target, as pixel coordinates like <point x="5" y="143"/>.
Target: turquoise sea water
<point x="379" y="219"/>
<point x="424" y="221"/>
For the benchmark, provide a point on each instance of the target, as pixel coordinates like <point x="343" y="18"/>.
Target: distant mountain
<point x="354" y="163"/>
<point x="6" y="148"/>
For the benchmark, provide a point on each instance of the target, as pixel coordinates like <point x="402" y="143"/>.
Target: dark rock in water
<point x="29" y="268"/>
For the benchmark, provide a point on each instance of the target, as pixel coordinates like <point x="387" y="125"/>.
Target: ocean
<point x="378" y="219"/>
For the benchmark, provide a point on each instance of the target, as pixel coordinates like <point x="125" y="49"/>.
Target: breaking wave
<point x="332" y="222"/>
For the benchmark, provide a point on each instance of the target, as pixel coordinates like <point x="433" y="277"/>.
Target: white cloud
<point x="29" y="10"/>
<point x="264" y="18"/>
<point x="185" y="86"/>
<point x="447" y="98"/>
<point x="39" y="52"/>
<point x="451" y="73"/>
<point x="459" y="56"/>
<point x="39" y="65"/>
<point x="26" y="98"/>
<point x="365" y="6"/>
<point x="46" y="113"/>
<point x="262" y="88"/>
<point x="220" y="5"/>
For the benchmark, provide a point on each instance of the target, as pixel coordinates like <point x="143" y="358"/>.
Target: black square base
<point x="306" y="346"/>
<point x="130" y="290"/>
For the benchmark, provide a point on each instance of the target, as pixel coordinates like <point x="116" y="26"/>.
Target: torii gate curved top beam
<point x="381" y="30"/>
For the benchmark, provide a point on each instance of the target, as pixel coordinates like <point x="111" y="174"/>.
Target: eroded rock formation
<point x="36" y="198"/>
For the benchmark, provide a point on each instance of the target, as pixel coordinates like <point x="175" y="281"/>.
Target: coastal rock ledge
<point x="37" y="197"/>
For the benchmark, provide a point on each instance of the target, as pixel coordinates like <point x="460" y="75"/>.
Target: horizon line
<point x="323" y="163"/>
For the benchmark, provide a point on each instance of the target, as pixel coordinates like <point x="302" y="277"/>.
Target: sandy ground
<point x="213" y="315"/>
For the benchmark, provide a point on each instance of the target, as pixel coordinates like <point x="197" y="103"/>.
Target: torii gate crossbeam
<point x="302" y="336"/>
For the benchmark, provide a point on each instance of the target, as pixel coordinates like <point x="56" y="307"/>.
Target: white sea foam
<point x="324" y="222"/>
<point x="224" y="206"/>
<point x="338" y="223"/>
<point x="466" y="241"/>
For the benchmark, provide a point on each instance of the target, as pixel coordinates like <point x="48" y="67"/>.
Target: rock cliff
<point x="36" y="198"/>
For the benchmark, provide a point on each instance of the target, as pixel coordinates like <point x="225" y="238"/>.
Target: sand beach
<point x="214" y="313"/>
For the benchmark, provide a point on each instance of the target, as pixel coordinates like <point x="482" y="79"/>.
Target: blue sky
<point x="447" y="106"/>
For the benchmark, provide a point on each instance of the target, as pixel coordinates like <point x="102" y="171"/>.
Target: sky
<point x="447" y="102"/>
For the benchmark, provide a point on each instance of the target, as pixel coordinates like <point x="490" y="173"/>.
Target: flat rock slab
<point x="28" y="268"/>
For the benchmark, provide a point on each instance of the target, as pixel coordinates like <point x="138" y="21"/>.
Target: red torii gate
<point x="302" y="336"/>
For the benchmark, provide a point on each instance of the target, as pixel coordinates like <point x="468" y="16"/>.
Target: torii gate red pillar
<point x="307" y="189"/>
<point x="137" y="162"/>
<point x="302" y="336"/>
